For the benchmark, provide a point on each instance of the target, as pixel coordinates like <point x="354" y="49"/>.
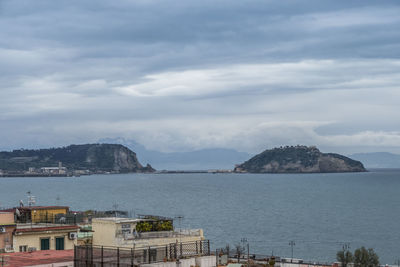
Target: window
<point x="45" y="244"/>
<point x="23" y="248"/>
<point x="59" y="243"/>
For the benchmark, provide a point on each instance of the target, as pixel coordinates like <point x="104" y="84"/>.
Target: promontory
<point x="299" y="159"/>
<point x="87" y="158"/>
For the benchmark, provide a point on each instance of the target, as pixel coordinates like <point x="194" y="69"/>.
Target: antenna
<point x="180" y="218"/>
<point x="31" y="199"/>
<point x="115" y="206"/>
<point x="58" y="200"/>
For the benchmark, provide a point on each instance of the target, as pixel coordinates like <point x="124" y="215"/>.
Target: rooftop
<point x="35" y="208"/>
<point x="27" y="227"/>
<point x="18" y="259"/>
<point x="119" y="219"/>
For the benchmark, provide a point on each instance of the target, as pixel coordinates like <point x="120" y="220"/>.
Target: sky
<point x="188" y="75"/>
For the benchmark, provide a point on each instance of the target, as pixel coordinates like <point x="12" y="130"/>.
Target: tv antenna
<point x="115" y="207"/>
<point x="180" y="218"/>
<point x="31" y="199"/>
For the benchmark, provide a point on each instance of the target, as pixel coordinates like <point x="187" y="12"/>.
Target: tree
<point x="365" y="258"/>
<point x="344" y="257"/>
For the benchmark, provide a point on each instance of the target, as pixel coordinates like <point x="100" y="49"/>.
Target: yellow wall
<point x="33" y="240"/>
<point x="39" y="214"/>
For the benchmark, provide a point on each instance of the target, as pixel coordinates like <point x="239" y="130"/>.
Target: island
<point x="298" y="159"/>
<point x="71" y="161"/>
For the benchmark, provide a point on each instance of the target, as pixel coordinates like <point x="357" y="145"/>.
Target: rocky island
<point x="71" y="160"/>
<point x="299" y="159"/>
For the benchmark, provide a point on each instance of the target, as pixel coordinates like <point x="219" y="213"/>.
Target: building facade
<point x="7" y="227"/>
<point x="44" y="237"/>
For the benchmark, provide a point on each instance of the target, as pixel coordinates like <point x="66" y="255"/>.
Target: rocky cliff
<point x="299" y="159"/>
<point x="94" y="157"/>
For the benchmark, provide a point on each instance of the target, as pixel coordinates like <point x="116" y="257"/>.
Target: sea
<point x="319" y="212"/>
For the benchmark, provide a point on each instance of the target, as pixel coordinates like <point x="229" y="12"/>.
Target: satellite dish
<point x="21" y="203"/>
<point x="18" y="212"/>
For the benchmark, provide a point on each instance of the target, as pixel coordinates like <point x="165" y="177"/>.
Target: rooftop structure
<point x="142" y="232"/>
<point x="37" y="214"/>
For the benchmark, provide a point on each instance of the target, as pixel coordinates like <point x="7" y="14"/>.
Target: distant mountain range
<point x="205" y="159"/>
<point x="378" y="159"/>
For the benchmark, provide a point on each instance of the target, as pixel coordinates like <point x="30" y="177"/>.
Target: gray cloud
<point x="182" y="76"/>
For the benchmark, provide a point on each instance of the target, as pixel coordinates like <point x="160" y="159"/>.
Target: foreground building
<point x="44" y="237"/>
<point x="7" y="227"/>
<point x="144" y="232"/>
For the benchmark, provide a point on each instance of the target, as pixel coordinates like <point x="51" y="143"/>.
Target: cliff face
<point x="94" y="157"/>
<point x="299" y="159"/>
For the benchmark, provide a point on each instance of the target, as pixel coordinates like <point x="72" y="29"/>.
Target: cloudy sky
<point x="185" y="75"/>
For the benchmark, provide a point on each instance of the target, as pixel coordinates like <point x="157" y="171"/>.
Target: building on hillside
<point x="7" y="227"/>
<point x="144" y="232"/>
<point x="32" y="237"/>
<point x="60" y="170"/>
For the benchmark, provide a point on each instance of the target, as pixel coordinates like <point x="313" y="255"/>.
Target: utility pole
<point x="292" y="244"/>
<point x="244" y="240"/>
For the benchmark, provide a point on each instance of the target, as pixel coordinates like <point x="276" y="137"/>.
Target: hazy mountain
<point x="378" y="159"/>
<point x="205" y="159"/>
<point x="299" y="159"/>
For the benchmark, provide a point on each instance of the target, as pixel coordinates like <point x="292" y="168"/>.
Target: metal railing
<point x="124" y="257"/>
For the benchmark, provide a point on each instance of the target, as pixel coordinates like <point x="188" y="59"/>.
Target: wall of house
<point x="104" y="232"/>
<point x="32" y="240"/>
<point x="39" y="214"/>
<point x="6" y="239"/>
<point x="6" y="223"/>
<point x="6" y="218"/>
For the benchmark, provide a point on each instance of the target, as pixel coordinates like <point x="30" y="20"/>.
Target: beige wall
<point x="33" y="240"/>
<point x="6" y="218"/>
<point x="104" y="232"/>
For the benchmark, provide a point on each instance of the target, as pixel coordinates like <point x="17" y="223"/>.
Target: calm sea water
<point x="320" y="212"/>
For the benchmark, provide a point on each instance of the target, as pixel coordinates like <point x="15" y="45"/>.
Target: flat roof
<point x="18" y="259"/>
<point x="34" y="208"/>
<point x="26" y="228"/>
<point x="119" y="219"/>
<point x="43" y="207"/>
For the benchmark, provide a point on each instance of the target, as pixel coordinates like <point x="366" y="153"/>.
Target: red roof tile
<point x="19" y="259"/>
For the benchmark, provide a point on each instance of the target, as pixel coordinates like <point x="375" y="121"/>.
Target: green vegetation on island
<point x="94" y="158"/>
<point x="299" y="159"/>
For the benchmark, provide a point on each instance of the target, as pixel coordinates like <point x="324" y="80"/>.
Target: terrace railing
<point x="124" y="257"/>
